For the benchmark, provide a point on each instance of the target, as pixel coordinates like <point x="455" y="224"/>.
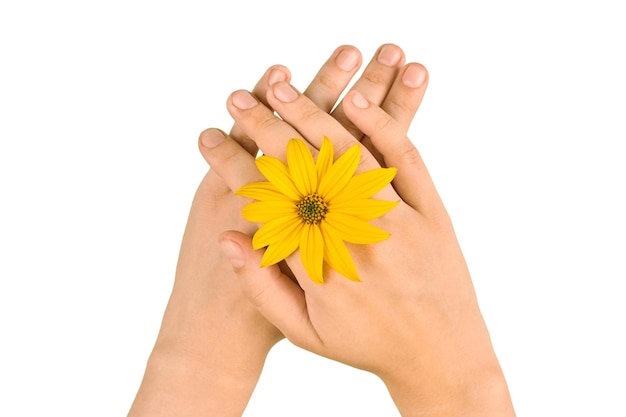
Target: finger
<point x="324" y="90"/>
<point x="228" y="159"/>
<point x="274" y="74"/>
<point x="259" y="122"/>
<point x="412" y="182"/>
<point x="333" y="77"/>
<point x="314" y="125"/>
<point x="403" y="100"/>
<point x="406" y="94"/>
<point x="375" y="82"/>
<point x="312" y="122"/>
<point x="274" y="294"/>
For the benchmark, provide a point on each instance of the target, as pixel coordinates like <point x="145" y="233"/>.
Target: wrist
<point x="181" y="384"/>
<point x="222" y="339"/>
<point x="206" y="361"/>
<point x="439" y="390"/>
<point x="460" y="377"/>
<point x="485" y="395"/>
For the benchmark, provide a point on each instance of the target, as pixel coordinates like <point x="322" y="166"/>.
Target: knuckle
<point x="328" y="83"/>
<point x="266" y="123"/>
<point x="258" y="296"/>
<point x="205" y="134"/>
<point x="411" y="155"/>
<point x="401" y="106"/>
<point x="384" y="123"/>
<point x="375" y="77"/>
<point x="228" y="155"/>
<point x="310" y="114"/>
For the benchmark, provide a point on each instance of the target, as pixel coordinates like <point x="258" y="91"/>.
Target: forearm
<point x="187" y="387"/>
<point x="202" y="365"/>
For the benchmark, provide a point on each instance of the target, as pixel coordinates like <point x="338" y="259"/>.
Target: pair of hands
<point x="413" y="321"/>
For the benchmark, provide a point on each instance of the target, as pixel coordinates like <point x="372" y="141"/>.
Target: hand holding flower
<point x="414" y="319"/>
<point x="213" y="342"/>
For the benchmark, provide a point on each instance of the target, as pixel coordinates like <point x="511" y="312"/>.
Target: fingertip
<point x="414" y="75"/>
<point x="390" y="54"/>
<point x="346" y="46"/>
<point x="233" y="252"/>
<point x="359" y="100"/>
<point x="274" y="74"/>
<point x="211" y="137"/>
<point x="278" y="73"/>
<point x="284" y="92"/>
<point x="347" y="58"/>
<point x="242" y="100"/>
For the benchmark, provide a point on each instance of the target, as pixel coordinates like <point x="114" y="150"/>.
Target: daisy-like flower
<point x="316" y="206"/>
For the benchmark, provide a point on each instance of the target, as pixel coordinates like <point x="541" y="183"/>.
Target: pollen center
<point x="312" y="209"/>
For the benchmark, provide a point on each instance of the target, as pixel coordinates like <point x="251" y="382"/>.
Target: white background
<point x="101" y="103"/>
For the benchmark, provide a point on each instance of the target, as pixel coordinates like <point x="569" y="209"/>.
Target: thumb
<point x="273" y="293"/>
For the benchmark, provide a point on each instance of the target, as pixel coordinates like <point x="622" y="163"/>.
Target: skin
<point x="414" y="320"/>
<point x="213" y="341"/>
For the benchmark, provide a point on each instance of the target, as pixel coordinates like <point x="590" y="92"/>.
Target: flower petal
<point x="353" y="229"/>
<point x="275" y="231"/>
<point x="266" y="211"/>
<point x="301" y="167"/>
<point x="339" y="173"/>
<point x="365" y="209"/>
<point x="261" y="191"/>
<point x="277" y="173"/>
<point x="336" y="254"/>
<point x="366" y="184"/>
<point x="312" y="252"/>
<point x="324" y="159"/>
<point x="280" y="250"/>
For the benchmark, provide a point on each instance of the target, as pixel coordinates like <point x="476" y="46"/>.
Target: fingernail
<point x="276" y="76"/>
<point x="244" y="100"/>
<point x="389" y="55"/>
<point x="360" y="101"/>
<point x="210" y="138"/>
<point x="234" y="253"/>
<point x="347" y="59"/>
<point x="285" y="93"/>
<point x="414" y="76"/>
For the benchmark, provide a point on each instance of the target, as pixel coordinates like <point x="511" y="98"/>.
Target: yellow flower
<point x="316" y="206"/>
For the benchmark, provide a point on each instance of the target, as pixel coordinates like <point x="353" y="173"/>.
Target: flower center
<point x="312" y="209"/>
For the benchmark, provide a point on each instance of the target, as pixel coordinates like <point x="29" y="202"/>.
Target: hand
<point x="213" y="342"/>
<point x="414" y="319"/>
